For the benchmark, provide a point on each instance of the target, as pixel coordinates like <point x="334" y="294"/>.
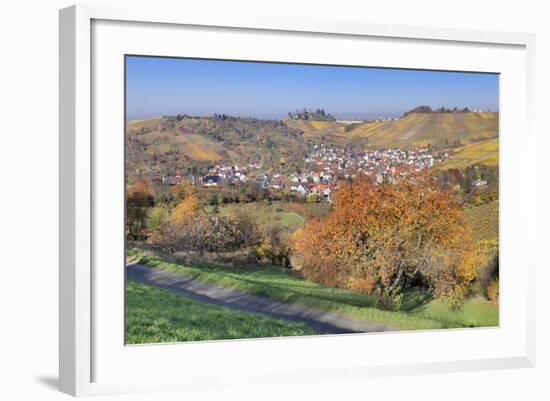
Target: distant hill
<point x="435" y="128"/>
<point x="176" y="145"/>
<point x="414" y="129"/>
<point x="330" y="130"/>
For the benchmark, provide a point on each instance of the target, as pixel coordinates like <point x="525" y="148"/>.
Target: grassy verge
<point x="157" y="316"/>
<point x="266" y="214"/>
<point x="419" y="311"/>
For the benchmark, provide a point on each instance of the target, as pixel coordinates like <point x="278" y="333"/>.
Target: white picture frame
<point x="82" y="344"/>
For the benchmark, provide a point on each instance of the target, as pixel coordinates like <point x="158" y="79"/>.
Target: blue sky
<point x="168" y="86"/>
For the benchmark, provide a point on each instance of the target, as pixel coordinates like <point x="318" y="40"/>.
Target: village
<point x="324" y="167"/>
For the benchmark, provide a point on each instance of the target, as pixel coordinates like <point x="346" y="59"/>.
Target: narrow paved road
<point x="325" y="322"/>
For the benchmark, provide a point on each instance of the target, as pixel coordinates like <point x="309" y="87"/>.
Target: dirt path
<point x="326" y="322"/>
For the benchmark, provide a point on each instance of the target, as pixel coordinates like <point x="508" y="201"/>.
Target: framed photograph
<point x="294" y="200"/>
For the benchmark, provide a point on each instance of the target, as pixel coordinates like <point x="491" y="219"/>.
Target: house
<point x="300" y="188"/>
<point x="323" y="191"/>
<point x="326" y="177"/>
<point x="276" y="184"/>
<point x="194" y="180"/>
<point x="171" y="180"/>
<point x="211" y="180"/>
<point x="262" y="182"/>
<point x="479" y="183"/>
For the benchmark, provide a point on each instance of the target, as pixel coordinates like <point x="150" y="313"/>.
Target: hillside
<point x="484" y="152"/>
<point x="316" y="129"/>
<point x="434" y="128"/>
<point x="176" y="145"/>
<point x="412" y="130"/>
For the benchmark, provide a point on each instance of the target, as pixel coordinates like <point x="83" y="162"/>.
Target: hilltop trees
<point x="308" y="114"/>
<point x="428" y="109"/>
<point x="382" y="239"/>
<point x="419" y="109"/>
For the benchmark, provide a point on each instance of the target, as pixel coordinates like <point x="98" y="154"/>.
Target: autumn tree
<point x="187" y="209"/>
<point x="383" y="238"/>
<point x="181" y="191"/>
<point x="139" y="197"/>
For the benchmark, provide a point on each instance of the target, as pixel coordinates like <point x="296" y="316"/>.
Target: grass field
<point x="158" y="316"/>
<point x="419" y="311"/>
<point x="265" y="214"/>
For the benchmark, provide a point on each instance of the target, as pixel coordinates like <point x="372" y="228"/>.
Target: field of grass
<point x="266" y="214"/>
<point x="157" y="316"/>
<point x="419" y="311"/>
<point x="484" y="152"/>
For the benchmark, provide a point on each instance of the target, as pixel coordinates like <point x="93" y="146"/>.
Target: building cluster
<point x="324" y="167"/>
<point x="384" y="165"/>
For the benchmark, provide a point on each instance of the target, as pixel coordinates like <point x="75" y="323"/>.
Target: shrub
<point x="312" y="198"/>
<point x="381" y="238"/>
<point x="186" y="210"/>
<point x="139" y="197"/>
<point x="202" y="232"/>
<point x="389" y="300"/>
<point x="274" y="246"/>
<point x="157" y="217"/>
<point x="191" y="228"/>
<point x="488" y="267"/>
<point x="493" y="291"/>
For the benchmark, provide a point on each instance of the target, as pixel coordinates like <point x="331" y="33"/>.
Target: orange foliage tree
<point x="382" y="238"/>
<point x="187" y="209"/>
<point x="181" y="191"/>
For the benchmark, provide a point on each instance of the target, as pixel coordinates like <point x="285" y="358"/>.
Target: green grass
<point x="419" y="310"/>
<point x="266" y="214"/>
<point x="158" y="316"/>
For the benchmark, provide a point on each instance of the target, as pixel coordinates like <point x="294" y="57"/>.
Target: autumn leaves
<point x="383" y="239"/>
